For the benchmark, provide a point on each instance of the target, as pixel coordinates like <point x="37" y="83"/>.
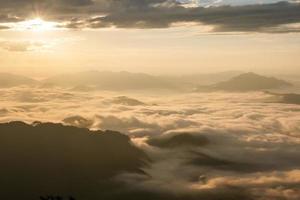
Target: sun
<point x="37" y="25"/>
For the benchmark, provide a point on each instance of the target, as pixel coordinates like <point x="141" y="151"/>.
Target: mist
<point x="212" y="141"/>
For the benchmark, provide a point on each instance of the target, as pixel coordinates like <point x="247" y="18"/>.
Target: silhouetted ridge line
<point x="47" y="158"/>
<point x="106" y="80"/>
<point x="246" y="82"/>
<point x="11" y="80"/>
<point x="250" y="81"/>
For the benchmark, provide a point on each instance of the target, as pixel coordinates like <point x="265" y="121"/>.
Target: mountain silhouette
<point x="124" y="100"/>
<point x="49" y="159"/>
<point x="108" y="81"/>
<point x="250" y="82"/>
<point x="11" y="80"/>
<point x="119" y="81"/>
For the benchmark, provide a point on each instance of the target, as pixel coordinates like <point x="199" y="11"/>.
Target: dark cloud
<point x="7" y="18"/>
<point x="226" y="18"/>
<point x="4" y="27"/>
<point x="157" y="14"/>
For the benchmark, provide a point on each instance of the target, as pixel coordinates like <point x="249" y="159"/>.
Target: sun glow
<point x="37" y="25"/>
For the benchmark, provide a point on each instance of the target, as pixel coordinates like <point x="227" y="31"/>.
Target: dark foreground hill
<point x="250" y="82"/>
<point x="52" y="159"/>
<point x="56" y="162"/>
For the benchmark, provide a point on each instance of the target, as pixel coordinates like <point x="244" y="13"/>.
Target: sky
<point x="45" y="37"/>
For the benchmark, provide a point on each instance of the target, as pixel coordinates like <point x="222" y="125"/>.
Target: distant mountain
<point x="52" y="159"/>
<point x="95" y="80"/>
<point x="11" y="80"/>
<point x="200" y="79"/>
<point x="250" y="82"/>
<point x="123" y="100"/>
<point x="108" y="81"/>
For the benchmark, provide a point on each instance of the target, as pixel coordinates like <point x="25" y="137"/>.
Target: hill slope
<point x="109" y="81"/>
<point x="11" y="80"/>
<point x="250" y="82"/>
<point x="45" y="159"/>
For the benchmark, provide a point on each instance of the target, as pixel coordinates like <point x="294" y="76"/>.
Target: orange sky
<point x="171" y="51"/>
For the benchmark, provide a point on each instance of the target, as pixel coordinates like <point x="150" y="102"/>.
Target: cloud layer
<point x="233" y="145"/>
<point x="227" y="16"/>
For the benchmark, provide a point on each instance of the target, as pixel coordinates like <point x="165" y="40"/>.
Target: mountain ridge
<point x="250" y="82"/>
<point x="11" y="80"/>
<point x="47" y="158"/>
<point x="123" y="80"/>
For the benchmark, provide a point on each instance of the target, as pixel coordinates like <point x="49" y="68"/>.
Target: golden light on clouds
<point x="36" y="25"/>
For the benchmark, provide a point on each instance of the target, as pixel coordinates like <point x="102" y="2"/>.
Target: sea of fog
<point x="248" y="142"/>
